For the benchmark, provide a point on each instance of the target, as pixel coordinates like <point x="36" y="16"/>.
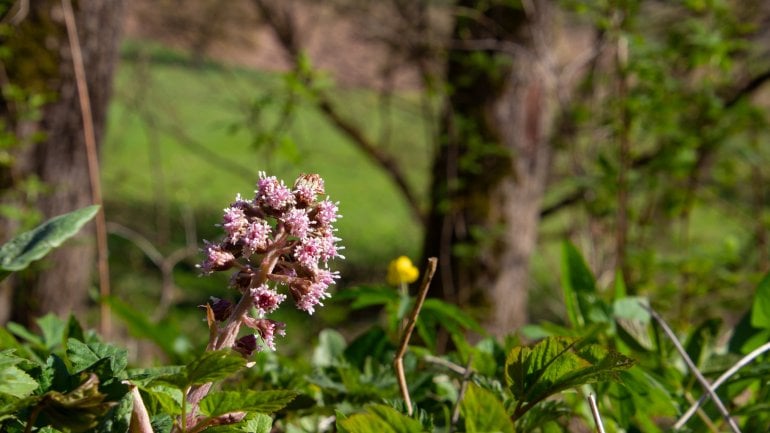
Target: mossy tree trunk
<point x="491" y="167"/>
<point x="41" y="63"/>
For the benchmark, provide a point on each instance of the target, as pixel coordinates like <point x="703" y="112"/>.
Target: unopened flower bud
<point x="221" y="308"/>
<point x="246" y="345"/>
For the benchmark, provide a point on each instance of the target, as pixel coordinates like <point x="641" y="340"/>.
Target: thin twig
<point x="595" y="412"/>
<point x="459" y="369"/>
<point x="398" y="360"/>
<point x="691" y="365"/>
<point x="89" y="137"/>
<point x="717" y="383"/>
<point x="463" y="388"/>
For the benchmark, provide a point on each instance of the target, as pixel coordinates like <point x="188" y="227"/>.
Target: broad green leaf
<point x="82" y="355"/>
<point x="373" y="343"/>
<point x="633" y="320"/>
<point x="211" y="366"/>
<point x="483" y="412"/>
<point x="379" y="419"/>
<point x="54" y="330"/>
<point x="29" y="246"/>
<point x="760" y="311"/>
<point x="450" y="313"/>
<point x="331" y="346"/>
<point x="367" y="296"/>
<point x="558" y="363"/>
<point x="580" y="296"/>
<point x="13" y="380"/>
<point x="220" y="403"/>
<point x="167" y="399"/>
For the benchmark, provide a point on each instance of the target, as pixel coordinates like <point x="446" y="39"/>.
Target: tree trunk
<point x="490" y="170"/>
<point x="42" y="62"/>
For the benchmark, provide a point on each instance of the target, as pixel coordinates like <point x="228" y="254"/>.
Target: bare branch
<point x="284" y="26"/>
<point x="720" y="380"/>
<point x="595" y="413"/>
<point x="398" y="359"/>
<point x="694" y="369"/>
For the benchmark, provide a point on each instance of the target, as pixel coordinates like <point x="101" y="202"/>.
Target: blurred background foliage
<point x="657" y="165"/>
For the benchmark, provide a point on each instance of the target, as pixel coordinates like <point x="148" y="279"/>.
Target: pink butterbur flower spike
<point x="279" y="244"/>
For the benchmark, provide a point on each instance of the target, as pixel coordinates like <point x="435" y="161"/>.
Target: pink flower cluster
<point x="281" y="240"/>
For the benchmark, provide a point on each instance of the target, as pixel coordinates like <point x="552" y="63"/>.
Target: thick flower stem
<point x="227" y="335"/>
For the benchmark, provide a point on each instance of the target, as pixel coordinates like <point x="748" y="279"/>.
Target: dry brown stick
<point x="398" y="360"/>
<point x="89" y="136"/>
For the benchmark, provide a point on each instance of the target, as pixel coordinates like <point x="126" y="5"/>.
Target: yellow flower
<point x="402" y="271"/>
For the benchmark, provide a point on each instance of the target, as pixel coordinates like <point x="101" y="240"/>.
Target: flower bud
<point x="221" y="308"/>
<point x="246" y="345"/>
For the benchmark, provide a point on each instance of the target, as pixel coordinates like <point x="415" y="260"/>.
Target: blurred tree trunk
<point x="491" y="166"/>
<point x="42" y="62"/>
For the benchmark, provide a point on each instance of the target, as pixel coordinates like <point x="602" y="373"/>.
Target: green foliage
<point x="556" y="364"/>
<point x="27" y="247"/>
<point x="379" y="419"/>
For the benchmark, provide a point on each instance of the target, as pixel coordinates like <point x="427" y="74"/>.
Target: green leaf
<point x="13" y="380"/>
<point x="331" y="346"/>
<point x="579" y="285"/>
<point x="29" y="246"/>
<point x="634" y="321"/>
<point x="163" y="399"/>
<point x="83" y="356"/>
<point x="483" y="412"/>
<point x="760" y="311"/>
<point x="445" y="312"/>
<point x="54" y="330"/>
<point x="209" y="367"/>
<point x="220" y="403"/>
<point x="254" y="423"/>
<point x="118" y="419"/>
<point x="379" y="419"/>
<point x="555" y="364"/>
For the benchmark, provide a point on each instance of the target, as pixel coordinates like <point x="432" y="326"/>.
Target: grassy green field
<point x="180" y="140"/>
<point x="180" y="135"/>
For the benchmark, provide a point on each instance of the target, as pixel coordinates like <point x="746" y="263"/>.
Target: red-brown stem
<point x="227" y="335"/>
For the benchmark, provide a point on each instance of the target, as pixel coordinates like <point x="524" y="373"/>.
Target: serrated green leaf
<point x="209" y="367"/>
<point x="167" y="399"/>
<point x="220" y="403"/>
<point x="379" y="419"/>
<point x="29" y="246"/>
<point x="82" y="355"/>
<point x="558" y="363"/>
<point x="483" y="412"/>
<point x="760" y="311"/>
<point x="118" y="419"/>
<point x="15" y="382"/>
